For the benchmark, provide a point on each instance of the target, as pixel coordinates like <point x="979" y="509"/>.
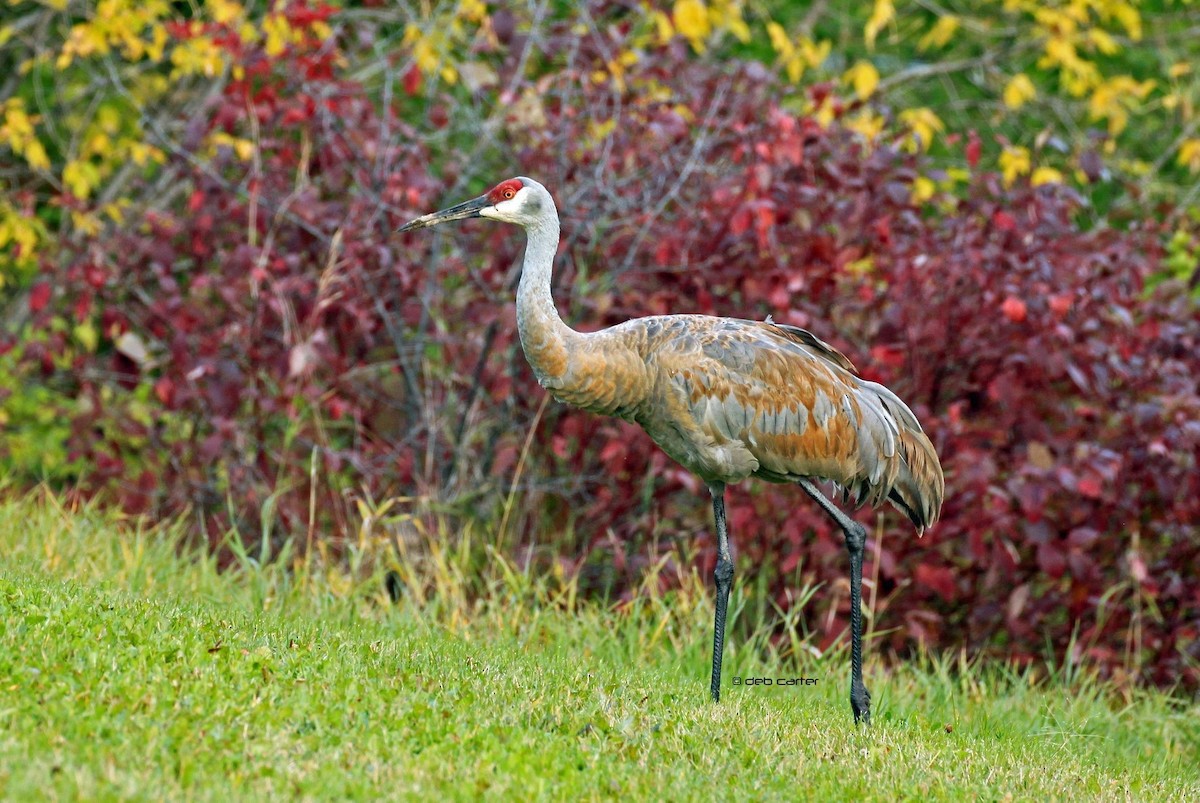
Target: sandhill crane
<point x="727" y="399"/>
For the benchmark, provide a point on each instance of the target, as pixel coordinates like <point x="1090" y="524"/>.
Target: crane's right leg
<point x="856" y="543"/>
<point x="724" y="578"/>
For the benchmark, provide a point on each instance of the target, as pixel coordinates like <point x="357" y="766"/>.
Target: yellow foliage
<point x="472" y="10"/>
<point x="922" y="189"/>
<point x="1014" y="162"/>
<point x="224" y="11"/>
<point x="17" y="130"/>
<point x="881" y="14"/>
<point x="85" y="222"/>
<point x="86" y="335"/>
<point x="866" y="123"/>
<point x="1129" y="18"/>
<point x="940" y="33"/>
<point x="726" y="15"/>
<point x="691" y="20"/>
<point x="1046" y="175"/>
<point x="798" y="55"/>
<point x="244" y="148"/>
<point x="16" y="228"/>
<point x="1179" y="69"/>
<point x="1113" y="99"/>
<point x="697" y="21"/>
<point x="863" y="77"/>
<point x="1189" y="155"/>
<point x="1103" y="42"/>
<point x="119" y="25"/>
<point x="662" y="24"/>
<point x="1018" y="91"/>
<point x="823" y="114"/>
<point x="923" y="124"/>
<point x="279" y="34"/>
<point x="141" y="153"/>
<point x="197" y="56"/>
<point x="429" y="49"/>
<point x="80" y="177"/>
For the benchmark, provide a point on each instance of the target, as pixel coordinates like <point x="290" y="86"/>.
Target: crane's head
<point x="518" y="200"/>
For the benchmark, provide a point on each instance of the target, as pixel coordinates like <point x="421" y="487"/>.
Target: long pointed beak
<point x="467" y="209"/>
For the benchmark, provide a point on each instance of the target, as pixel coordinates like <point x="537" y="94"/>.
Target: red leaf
<point x="1013" y="309"/>
<point x="938" y="578"/>
<point x="1090" y="486"/>
<point x="1060" y="305"/>
<point x="164" y="389"/>
<point x="973" y="149"/>
<point x="1004" y="221"/>
<point x="39" y="296"/>
<point x="1051" y="560"/>
<point x="412" y="80"/>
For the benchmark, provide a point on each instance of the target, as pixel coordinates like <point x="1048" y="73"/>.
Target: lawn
<point x="133" y="668"/>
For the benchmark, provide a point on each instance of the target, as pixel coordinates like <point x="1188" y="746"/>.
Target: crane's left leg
<point x="856" y="543"/>
<point x="724" y="577"/>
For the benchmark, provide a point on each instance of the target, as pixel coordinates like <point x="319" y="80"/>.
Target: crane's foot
<point x="860" y="703"/>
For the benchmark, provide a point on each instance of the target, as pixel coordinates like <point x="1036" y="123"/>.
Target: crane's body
<point x="727" y="399"/>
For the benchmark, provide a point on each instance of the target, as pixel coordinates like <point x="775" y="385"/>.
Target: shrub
<point x="257" y="350"/>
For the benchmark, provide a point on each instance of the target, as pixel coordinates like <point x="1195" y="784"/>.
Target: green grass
<point x="131" y="670"/>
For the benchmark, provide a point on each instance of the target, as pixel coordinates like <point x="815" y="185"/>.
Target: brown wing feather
<point x="734" y="398"/>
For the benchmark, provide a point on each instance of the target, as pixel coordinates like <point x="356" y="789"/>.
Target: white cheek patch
<point x="507" y="210"/>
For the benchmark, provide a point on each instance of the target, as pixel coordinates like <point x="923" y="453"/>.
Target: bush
<point x="257" y="350"/>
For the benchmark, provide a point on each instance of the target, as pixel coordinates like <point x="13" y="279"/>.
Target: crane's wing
<point x="781" y="399"/>
<point x="815" y="344"/>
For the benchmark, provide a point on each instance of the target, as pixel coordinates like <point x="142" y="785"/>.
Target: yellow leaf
<point x="1179" y="69"/>
<point x="863" y="77"/>
<point x="158" y="42"/>
<point x="924" y="124"/>
<point x="87" y="336"/>
<point x="224" y="11"/>
<point x="1014" y="162"/>
<point x="1045" y="175"/>
<point x="86" y="223"/>
<point x="860" y="267"/>
<point x="473" y="10"/>
<point x="866" y="123"/>
<point x="278" y="32"/>
<point x="1129" y="18"/>
<point x="1103" y="42"/>
<point x="35" y="154"/>
<point x="940" y="33"/>
<point x="81" y="178"/>
<point x="691" y="20"/>
<point x="779" y="39"/>
<point x="662" y="24"/>
<point x="824" y="113"/>
<point x="882" y="13"/>
<point x="727" y="15"/>
<point x="815" y="53"/>
<point x="1018" y="90"/>
<point x="922" y="189"/>
<point x="1189" y="155"/>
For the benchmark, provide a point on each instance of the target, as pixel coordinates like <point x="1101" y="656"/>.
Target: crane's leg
<point x="856" y="543"/>
<point x="724" y="578"/>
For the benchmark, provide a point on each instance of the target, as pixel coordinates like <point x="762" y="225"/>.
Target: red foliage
<point x="283" y="323"/>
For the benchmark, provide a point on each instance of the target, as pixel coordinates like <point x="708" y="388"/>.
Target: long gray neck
<point x="545" y="339"/>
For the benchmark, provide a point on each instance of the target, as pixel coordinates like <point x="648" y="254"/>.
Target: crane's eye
<point x="509" y="193"/>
